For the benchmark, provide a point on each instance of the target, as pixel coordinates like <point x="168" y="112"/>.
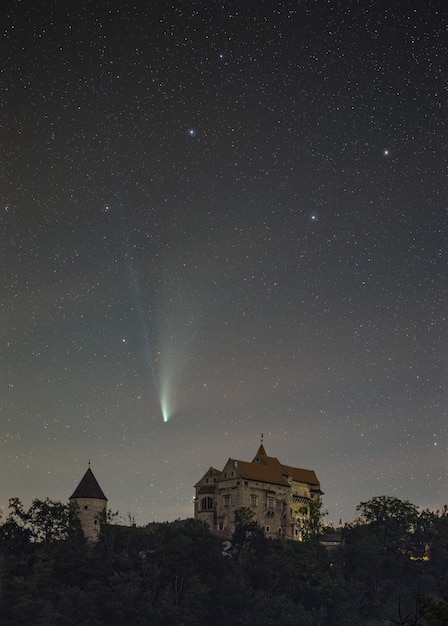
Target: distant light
<point x="192" y="132"/>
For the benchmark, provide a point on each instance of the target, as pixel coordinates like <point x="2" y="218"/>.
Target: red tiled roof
<point x="269" y="469"/>
<point x="264" y="469"/>
<point x="303" y="475"/>
<point x="262" y="473"/>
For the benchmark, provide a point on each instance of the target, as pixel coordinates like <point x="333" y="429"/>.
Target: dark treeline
<point x="391" y="569"/>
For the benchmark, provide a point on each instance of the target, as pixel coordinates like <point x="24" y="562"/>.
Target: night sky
<point x="222" y="219"/>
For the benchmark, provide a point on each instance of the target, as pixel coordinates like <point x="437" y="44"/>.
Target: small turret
<point x="91" y="503"/>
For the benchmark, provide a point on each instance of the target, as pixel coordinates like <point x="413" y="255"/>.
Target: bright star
<point x="192" y="132"/>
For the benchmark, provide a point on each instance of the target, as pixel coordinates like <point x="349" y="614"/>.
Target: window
<point x="271" y="503"/>
<point x="268" y="529"/>
<point x="226" y="500"/>
<point x="85" y="507"/>
<point x="279" y="505"/>
<point x="279" y="530"/>
<point x="253" y="500"/>
<point x="220" y="525"/>
<point x="207" y="503"/>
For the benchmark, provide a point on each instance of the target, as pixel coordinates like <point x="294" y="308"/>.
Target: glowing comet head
<point x="173" y="342"/>
<point x="164" y="405"/>
<point x="165" y="413"/>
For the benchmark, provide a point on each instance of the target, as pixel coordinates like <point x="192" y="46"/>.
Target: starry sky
<point x="220" y="219"/>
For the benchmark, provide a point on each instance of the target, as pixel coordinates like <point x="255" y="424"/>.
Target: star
<point x="191" y="132"/>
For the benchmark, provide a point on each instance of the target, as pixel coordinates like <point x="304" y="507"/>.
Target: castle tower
<point x="91" y="503"/>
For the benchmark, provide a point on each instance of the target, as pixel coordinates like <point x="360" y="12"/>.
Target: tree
<point x="435" y="612"/>
<point x="247" y="530"/>
<point x="45" y="521"/>
<point x="312" y="522"/>
<point x="393" y="520"/>
<point x="383" y="509"/>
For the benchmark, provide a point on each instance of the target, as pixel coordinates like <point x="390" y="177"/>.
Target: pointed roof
<point x="262" y="472"/>
<point x="261" y="454"/>
<point x="269" y="469"/>
<point x="88" y="488"/>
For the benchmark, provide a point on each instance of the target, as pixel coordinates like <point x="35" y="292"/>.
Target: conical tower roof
<point x="88" y="488"/>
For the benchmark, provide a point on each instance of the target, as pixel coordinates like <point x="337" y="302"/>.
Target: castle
<point x="92" y="504"/>
<point x="280" y="496"/>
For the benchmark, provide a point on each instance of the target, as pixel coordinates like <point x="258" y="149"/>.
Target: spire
<point x="88" y="487"/>
<point x="261" y="456"/>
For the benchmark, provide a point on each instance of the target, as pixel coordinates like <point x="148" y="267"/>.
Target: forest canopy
<point x="390" y="566"/>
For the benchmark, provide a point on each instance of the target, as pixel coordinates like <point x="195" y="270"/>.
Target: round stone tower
<point x="91" y="503"/>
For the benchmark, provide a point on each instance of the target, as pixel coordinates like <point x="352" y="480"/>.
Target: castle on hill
<point x="280" y="496"/>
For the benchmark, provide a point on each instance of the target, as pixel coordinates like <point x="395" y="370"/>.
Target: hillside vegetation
<point x="391" y="569"/>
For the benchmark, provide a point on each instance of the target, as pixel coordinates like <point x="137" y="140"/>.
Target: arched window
<point x="207" y="503"/>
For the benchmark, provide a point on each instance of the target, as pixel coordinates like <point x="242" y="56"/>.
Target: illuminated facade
<point x="280" y="496"/>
